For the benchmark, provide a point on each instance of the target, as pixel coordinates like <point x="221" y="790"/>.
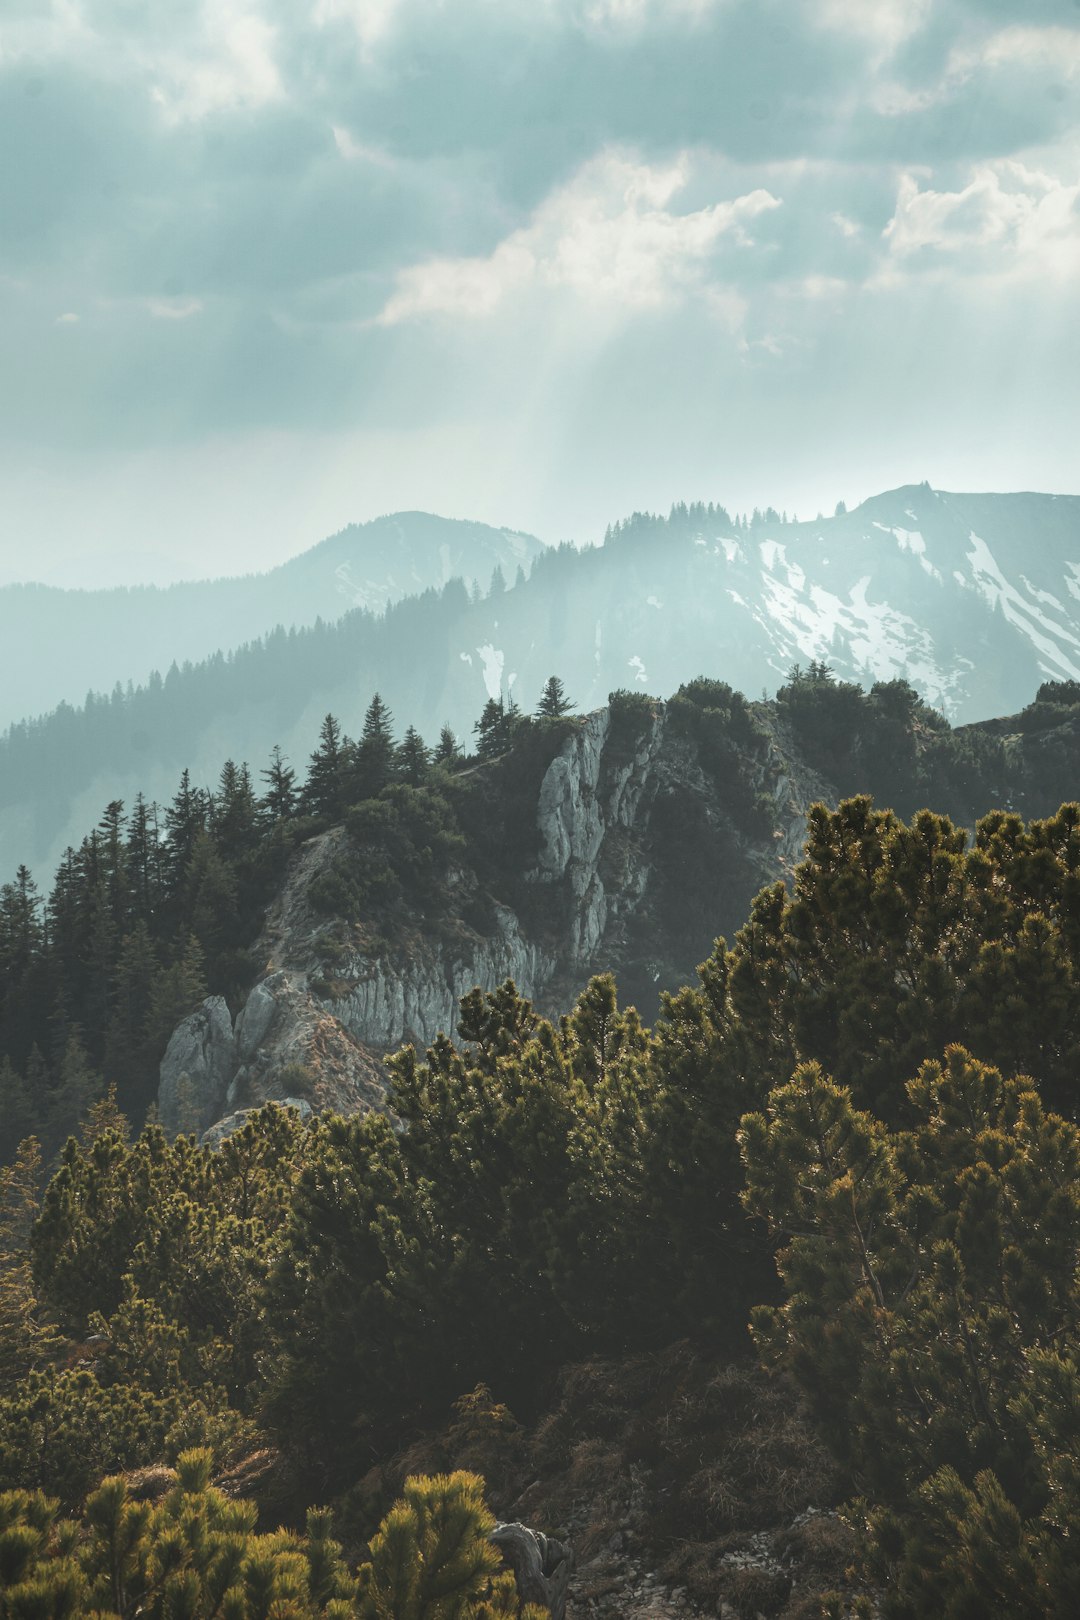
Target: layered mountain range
<point x="57" y="644"/>
<point x="973" y="598"/>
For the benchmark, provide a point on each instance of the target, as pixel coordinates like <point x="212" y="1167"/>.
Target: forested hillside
<point x="798" y="1139"/>
<point x="966" y="597"/>
<point x="94" y="640"/>
<point x="545" y="846"/>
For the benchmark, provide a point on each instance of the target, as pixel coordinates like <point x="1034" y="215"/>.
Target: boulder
<point x="199" y="1062"/>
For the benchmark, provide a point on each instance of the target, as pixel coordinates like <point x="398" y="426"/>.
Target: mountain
<point x="92" y="639"/>
<point x="970" y="597"/>
<point x="621" y="842"/>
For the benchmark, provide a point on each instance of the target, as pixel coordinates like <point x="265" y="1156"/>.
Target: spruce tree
<point x="374" y="765"/>
<point x="492" y="730"/>
<point x="448" y="749"/>
<point x="324" y="789"/>
<point x="554" y="701"/>
<point x="185" y="819"/>
<point x="235" y="812"/>
<point x="413" y="759"/>
<point x="280" y="799"/>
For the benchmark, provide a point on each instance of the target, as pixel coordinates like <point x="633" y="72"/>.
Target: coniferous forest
<point x="539" y="1054"/>
<point x="806" y="1241"/>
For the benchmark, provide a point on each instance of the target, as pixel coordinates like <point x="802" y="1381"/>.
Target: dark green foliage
<point x="496" y="727"/>
<point x="324" y="790"/>
<point x="553" y="700"/>
<point x="545" y="1191"/>
<point x="525" y="1163"/>
<point x="280" y="799"/>
<point x="730" y="744"/>
<point x="413" y="759"/>
<point x="632" y="714"/>
<point x="932" y="1317"/>
<point x="448" y="749"/>
<point x="195" y="1554"/>
<point x="899" y="938"/>
<point x="824" y="714"/>
<point x="374" y="759"/>
<point x="401" y="848"/>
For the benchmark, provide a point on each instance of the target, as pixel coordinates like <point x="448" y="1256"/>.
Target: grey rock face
<point x="329" y="1006"/>
<point x="195" y="1072"/>
<point x="391" y="1003"/>
<point x="234" y="1122"/>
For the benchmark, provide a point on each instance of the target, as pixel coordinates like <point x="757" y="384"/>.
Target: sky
<point x="268" y="268"/>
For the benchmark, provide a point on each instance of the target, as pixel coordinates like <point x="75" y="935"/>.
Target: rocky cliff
<point x="625" y="840"/>
<point x="595" y="892"/>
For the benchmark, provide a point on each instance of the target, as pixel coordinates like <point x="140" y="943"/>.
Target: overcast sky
<point x="267" y="267"/>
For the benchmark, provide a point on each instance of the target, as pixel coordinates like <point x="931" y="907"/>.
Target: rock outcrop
<point x="334" y="998"/>
<point x="199" y="1063"/>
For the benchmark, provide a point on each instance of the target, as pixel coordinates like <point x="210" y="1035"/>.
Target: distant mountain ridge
<point x="92" y="639"/>
<point x="973" y="598"/>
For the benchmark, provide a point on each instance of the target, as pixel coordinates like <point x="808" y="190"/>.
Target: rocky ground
<point x="687" y="1487"/>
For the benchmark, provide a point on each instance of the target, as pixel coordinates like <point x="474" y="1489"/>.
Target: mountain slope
<point x="971" y="597"/>
<point x="95" y="638"/>
<point x="621" y="842"/>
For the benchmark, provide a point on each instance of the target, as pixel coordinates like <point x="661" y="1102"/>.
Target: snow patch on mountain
<point x="1041" y="631"/>
<point x="911" y="540"/>
<point x="493" y="658"/>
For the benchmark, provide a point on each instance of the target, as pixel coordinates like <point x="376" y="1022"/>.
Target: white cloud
<point x="1056" y="48"/>
<point x="607" y="235"/>
<point x="1021" y="48"/>
<point x="370" y="20"/>
<point x="883" y="24"/>
<point x="354" y="151"/>
<point x="228" y="63"/>
<point x="1018" y="218"/>
<point x="68" y="318"/>
<point x="173" y="309"/>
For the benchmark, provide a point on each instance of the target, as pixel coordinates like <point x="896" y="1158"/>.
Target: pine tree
<point x="554" y="701"/>
<point x="496" y="726"/>
<point x="210" y="899"/>
<point x="432" y="1556"/>
<point x="448" y="749"/>
<point x="185" y="819"/>
<point x="374" y="766"/>
<point x="279" y="802"/>
<point x="413" y="759"/>
<point x="145" y="860"/>
<point x="324" y="789"/>
<point x="127" y="1059"/>
<point x="235" y="812"/>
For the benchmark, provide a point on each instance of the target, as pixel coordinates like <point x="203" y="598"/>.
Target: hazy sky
<point x="267" y="267"/>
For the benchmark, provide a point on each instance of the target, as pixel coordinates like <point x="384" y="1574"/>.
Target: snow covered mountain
<point x="975" y="599"/>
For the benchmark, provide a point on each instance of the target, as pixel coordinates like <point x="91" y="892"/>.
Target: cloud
<point x="884" y="24"/>
<point x="228" y="64"/>
<point x="174" y="309"/>
<point x="1010" y="217"/>
<point x="607" y="235"/>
